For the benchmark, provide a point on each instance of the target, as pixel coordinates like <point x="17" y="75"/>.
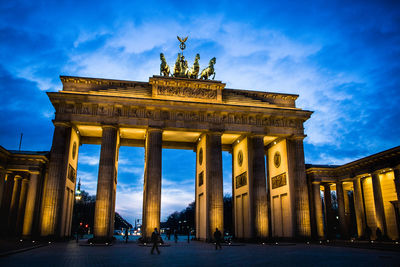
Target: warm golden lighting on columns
<point x="106" y="185"/>
<point x="21" y="206"/>
<point x="6" y="201"/>
<point x="396" y="172"/>
<point x="359" y="207"/>
<point x="341" y="210"/>
<point x="214" y="183"/>
<point x="2" y="184"/>
<point x="378" y="200"/>
<point x="55" y="186"/>
<point x="12" y="217"/>
<point x="297" y="173"/>
<point x="257" y="167"/>
<point x="31" y="204"/>
<point x="319" y="220"/>
<point x="152" y="183"/>
<point x="328" y="209"/>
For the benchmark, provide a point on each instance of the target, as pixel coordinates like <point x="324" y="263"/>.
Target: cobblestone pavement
<point x="200" y="254"/>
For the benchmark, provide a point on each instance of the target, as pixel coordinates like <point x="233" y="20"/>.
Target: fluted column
<point x="152" y="183"/>
<point x="297" y="171"/>
<point x="396" y="171"/>
<point x="31" y="204"/>
<point x="328" y="210"/>
<point x="12" y="218"/>
<point x="6" y="202"/>
<point x="21" y="206"/>
<point x="2" y="184"/>
<point x="106" y="185"/>
<point x="319" y="220"/>
<point x="341" y="210"/>
<point x="359" y="207"/>
<point x="260" y="208"/>
<point x="214" y="183"/>
<point x="55" y="185"/>
<point x="378" y="200"/>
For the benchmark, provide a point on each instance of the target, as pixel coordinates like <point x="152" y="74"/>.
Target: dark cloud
<point x="23" y="110"/>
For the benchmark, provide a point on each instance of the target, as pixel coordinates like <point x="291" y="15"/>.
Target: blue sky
<point x="341" y="57"/>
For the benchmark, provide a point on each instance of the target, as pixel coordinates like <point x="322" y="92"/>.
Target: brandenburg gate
<point x="182" y="113"/>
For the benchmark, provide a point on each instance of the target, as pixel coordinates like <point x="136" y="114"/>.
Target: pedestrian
<point x="188" y="235"/>
<point x="126" y="235"/>
<point x="155" y="236"/>
<point x="176" y="236"/>
<point x="169" y="234"/>
<point x="217" y="237"/>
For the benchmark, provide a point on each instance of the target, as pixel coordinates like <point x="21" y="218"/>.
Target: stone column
<point x="53" y="195"/>
<point x="6" y="202"/>
<point x="31" y="204"/>
<point x="341" y="210"/>
<point x="328" y="210"/>
<point x="319" y="219"/>
<point x="152" y="183"/>
<point x="214" y="183"/>
<point x="106" y="185"/>
<point x="396" y="171"/>
<point x="21" y="206"/>
<point x="2" y="184"/>
<point x="359" y="207"/>
<point x="296" y="168"/>
<point x="378" y="200"/>
<point x="257" y="165"/>
<point x="12" y="218"/>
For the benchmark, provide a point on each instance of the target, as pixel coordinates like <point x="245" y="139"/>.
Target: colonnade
<point x="20" y="194"/>
<point x="375" y="200"/>
<point x="251" y="217"/>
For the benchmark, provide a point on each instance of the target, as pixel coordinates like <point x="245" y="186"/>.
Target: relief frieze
<point x="177" y="115"/>
<point x="187" y="92"/>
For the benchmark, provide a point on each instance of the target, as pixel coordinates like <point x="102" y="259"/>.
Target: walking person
<point x="217" y="237"/>
<point x="176" y="236"/>
<point x="126" y="235"/>
<point x="155" y="237"/>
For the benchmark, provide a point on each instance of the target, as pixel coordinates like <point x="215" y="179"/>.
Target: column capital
<point x="397" y="167"/>
<point x="61" y="124"/>
<point x="296" y="137"/>
<point x="109" y="126"/>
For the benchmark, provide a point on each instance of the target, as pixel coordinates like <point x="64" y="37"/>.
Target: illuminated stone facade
<point x="199" y="115"/>
<point x="22" y="179"/>
<point x="367" y="196"/>
<point x="279" y="199"/>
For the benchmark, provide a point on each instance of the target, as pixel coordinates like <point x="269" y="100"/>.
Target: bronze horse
<point x="207" y="72"/>
<point x="164" y="68"/>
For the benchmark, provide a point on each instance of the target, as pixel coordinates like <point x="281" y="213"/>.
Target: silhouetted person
<point x="155" y="236"/>
<point x="379" y="235"/>
<point x="188" y="235"/>
<point x="169" y="234"/>
<point x="176" y="236"/>
<point x="217" y="237"/>
<point x="126" y="235"/>
<point x="368" y="233"/>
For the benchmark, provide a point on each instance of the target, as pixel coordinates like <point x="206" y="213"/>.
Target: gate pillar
<point x="209" y="186"/>
<point x="59" y="189"/>
<point x="152" y="183"/>
<point x="106" y="185"/>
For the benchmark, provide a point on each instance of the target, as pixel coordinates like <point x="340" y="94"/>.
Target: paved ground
<point x="200" y="254"/>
